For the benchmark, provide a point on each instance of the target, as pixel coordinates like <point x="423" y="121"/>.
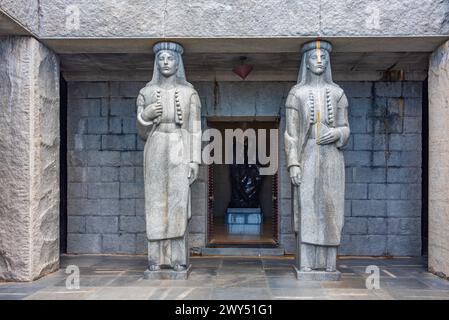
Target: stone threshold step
<point x="242" y="251"/>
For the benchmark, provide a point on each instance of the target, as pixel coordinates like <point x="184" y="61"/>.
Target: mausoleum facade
<point x="72" y="175"/>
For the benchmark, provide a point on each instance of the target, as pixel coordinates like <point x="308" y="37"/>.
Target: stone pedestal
<point x="167" y="274"/>
<point x="315" y="275"/>
<point x="244" y="221"/>
<point x="29" y="159"/>
<point x="439" y="160"/>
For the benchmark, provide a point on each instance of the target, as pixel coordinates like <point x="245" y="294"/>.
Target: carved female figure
<point x="316" y="130"/>
<point x="168" y="118"/>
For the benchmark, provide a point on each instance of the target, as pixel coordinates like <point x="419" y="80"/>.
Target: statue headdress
<point x="306" y="50"/>
<point x="178" y="50"/>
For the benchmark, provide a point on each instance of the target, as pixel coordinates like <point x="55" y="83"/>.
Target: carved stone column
<point x="29" y="159"/>
<point x="439" y="160"/>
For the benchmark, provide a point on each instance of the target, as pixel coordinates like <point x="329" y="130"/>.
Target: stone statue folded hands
<point x="152" y="111"/>
<point x="332" y="135"/>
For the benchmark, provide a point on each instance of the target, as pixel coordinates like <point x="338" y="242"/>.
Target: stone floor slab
<point x="55" y="293"/>
<point x="236" y="278"/>
<point x="299" y="293"/>
<point x="13" y="296"/>
<point x="290" y="283"/>
<point x="415" y="294"/>
<point x="122" y="293"/>
<point x="240" y="281"/>
<point x="350" y="294"/>
<point x="240" y="294"/>
<point x="87" y="281"/>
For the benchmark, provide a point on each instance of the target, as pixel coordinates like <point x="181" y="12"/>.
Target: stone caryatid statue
<point x="316" y="130"/>
<point x="168" y="118"/>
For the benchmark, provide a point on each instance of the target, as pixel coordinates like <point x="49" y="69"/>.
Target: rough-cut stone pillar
<point x="439" y="160"/>
<point x="29" y="159"/>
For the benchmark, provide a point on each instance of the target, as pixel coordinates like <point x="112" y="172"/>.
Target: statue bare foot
<point x="179" y="267"/>
<point x="305" y="269"/>
<point x="154" y="267"/>
<point x="330" y="269"/>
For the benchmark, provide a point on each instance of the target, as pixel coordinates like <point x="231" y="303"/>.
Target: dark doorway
<point x="63" y="166"/>
<point x="229" y="222"/>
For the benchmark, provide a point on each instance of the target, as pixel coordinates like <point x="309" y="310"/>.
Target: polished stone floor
<point x="236" y="278"/>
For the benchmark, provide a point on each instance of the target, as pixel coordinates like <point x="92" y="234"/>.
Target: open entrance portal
<point x="242" y="203"/>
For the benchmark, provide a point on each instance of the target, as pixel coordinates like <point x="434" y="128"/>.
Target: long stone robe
<point x="319" y="200"/>
<point x="172" y="143"/>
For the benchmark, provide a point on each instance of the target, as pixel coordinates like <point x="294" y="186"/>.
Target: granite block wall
<point x="383" y="165"/>
<point x="383" y="169"/>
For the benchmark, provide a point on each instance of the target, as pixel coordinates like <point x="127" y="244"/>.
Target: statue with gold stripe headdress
<point x="316" y="130"/>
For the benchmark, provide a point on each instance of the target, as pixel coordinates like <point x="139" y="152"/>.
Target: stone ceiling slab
<point x="267" y="66"/>
<point x="101" y="18"/>
<point x="384" y="17"/>
<point x="250" y="18"/>
<point x="248" y="45"/>
<point x="10" y="27"/>
<point x="159" y="19"/>
<point x="24" y="13"/>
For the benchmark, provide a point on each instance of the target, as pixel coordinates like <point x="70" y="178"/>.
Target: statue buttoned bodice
<point x="171" y="106"/>
<point x="320" y="109"/>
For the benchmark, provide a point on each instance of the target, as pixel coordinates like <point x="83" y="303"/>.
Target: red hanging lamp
<point x="243" y="69"/>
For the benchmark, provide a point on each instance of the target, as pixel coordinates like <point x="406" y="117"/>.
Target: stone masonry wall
<point x="439" y="161"/>
<point x="29" y="159"/>
<point x="383" y="160"/>
<point x="383" y="175"/>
